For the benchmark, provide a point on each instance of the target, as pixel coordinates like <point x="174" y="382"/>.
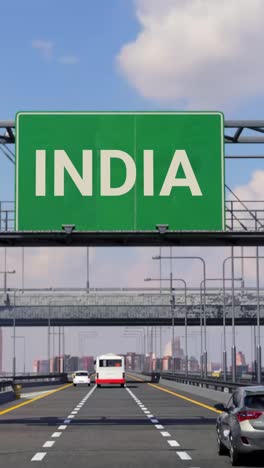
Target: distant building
<point x="43" y="366"/>
<point x="87" y="363"/>
<point x="72" y="364"/>
<point x="178" y="351"/>
<point x="240" y="359"/>
<point x="194" y="364"/>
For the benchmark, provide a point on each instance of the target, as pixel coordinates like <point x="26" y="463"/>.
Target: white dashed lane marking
<point x="184" y="456"/>
<point x="49" y="443"/>
<point x="56" y="434"/>
<point x="38" y="456"/>
<point x="173" y="443"/>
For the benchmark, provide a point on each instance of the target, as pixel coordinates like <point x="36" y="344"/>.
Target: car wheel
<point x="234" y="454"/>
<point x="89" y="384"/>
<point x="122" y="385"/>
<point x="74" y="384"/>
<point x="98" y="385"/>
<point x="222" y="450"/>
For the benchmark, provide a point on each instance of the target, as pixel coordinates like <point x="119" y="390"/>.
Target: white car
<point x="81" y="377"/>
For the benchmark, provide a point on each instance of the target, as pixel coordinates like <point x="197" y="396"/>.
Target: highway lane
<point x="111" y="427"/>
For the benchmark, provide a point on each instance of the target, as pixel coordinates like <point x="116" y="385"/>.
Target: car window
<point x="81" y="374"/>
<point x="255" y="402"/>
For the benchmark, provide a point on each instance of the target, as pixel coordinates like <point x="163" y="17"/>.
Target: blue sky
<point x="58" y="55"/>
<point x="88" y="36"/>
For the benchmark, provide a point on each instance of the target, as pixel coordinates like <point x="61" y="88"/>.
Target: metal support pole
<point x="242" y="271"/>
<point x="63" y="349"/>
<point x="233" y="351"/>
<point x="185" y="330"/>
<point x="201" y="337"/>
<point x="160" y="346"/>
<point x="160" y="269"/>
<point x="204" y="314"/>
<point x="172" y="323"/>
<point x="24" y="355"/>
<point x="224" y="329"/>
<point x="258" y="320"/>
<point x="5" y="272"/>
<point x="255" y="350"/>
<point x="87" y="269"/>
<point x="14" y="336"/>
<point x="49" y="338"/>
<point x="23" y="268"/>
<point x="59" y="349"/>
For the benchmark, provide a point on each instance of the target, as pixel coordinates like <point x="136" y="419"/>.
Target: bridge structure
<point x="244" y="219"/>
<point x="104" y="307"/>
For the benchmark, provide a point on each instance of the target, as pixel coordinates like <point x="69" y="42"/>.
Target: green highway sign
<point x="112" y="171"/>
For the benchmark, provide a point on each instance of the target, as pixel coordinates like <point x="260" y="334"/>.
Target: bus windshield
<point x="110" y="363"/>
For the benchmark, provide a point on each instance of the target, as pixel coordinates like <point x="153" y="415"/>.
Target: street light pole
<point x="172" y="300"/>
<point x="258" y="320"/>
<point x="232" y="257"/>
<point x="203" y="356"/>
<point x="87" y="269"/>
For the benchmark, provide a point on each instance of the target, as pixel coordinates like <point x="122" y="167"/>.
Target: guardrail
<point x="214" y="383"/>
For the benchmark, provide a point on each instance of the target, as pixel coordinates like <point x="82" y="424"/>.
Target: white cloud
<point x="254" y="189"/>
<point x="45" y="47"/>
<point x="203" y="53"/>
<point x="68" y="60"/>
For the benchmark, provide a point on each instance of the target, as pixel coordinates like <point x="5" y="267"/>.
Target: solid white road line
<point x="165" y="434"/>
<point x="56" y="434"/>
<point x="49" y="443"/>
<point x="173" y="443"/>
<point x="184" y="456"/>
<point x="38" y="456"/>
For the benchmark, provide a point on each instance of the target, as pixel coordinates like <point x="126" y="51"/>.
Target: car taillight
<point x="246" y="415"/>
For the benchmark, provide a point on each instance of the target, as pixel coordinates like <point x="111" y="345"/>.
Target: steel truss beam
<point x="234" y="131"/>
<point x="132" y="239"/>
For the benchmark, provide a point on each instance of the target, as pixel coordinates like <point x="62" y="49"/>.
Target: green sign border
<point x="220" y="114"/>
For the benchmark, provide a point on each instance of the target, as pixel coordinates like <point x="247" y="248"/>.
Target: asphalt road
<point x="110" y="427"/>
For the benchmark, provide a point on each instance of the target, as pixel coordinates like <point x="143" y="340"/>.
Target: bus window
<point x="110" y="363"/>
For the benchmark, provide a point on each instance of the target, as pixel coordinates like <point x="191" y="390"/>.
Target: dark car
<point x="240" y="426"/>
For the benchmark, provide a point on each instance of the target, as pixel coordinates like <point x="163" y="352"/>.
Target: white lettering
<point x="106" y="189"/>
<point x="62" y="162"/>
<point x="180" y="157"/>
<point x="148" y="173"/>
<point x="40" y="173"/>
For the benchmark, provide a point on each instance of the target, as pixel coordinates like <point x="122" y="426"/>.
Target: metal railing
<point x="241" y="215"/>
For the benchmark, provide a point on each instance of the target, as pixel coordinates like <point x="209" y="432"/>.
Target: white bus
<point x="110" y="369"/>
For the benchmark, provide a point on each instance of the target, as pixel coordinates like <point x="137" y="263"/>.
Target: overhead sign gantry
<point x="175" y="232"/>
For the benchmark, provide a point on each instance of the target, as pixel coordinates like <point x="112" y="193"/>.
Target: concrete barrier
<point x="7" y="395"/>
<point x="214" y="395"/>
